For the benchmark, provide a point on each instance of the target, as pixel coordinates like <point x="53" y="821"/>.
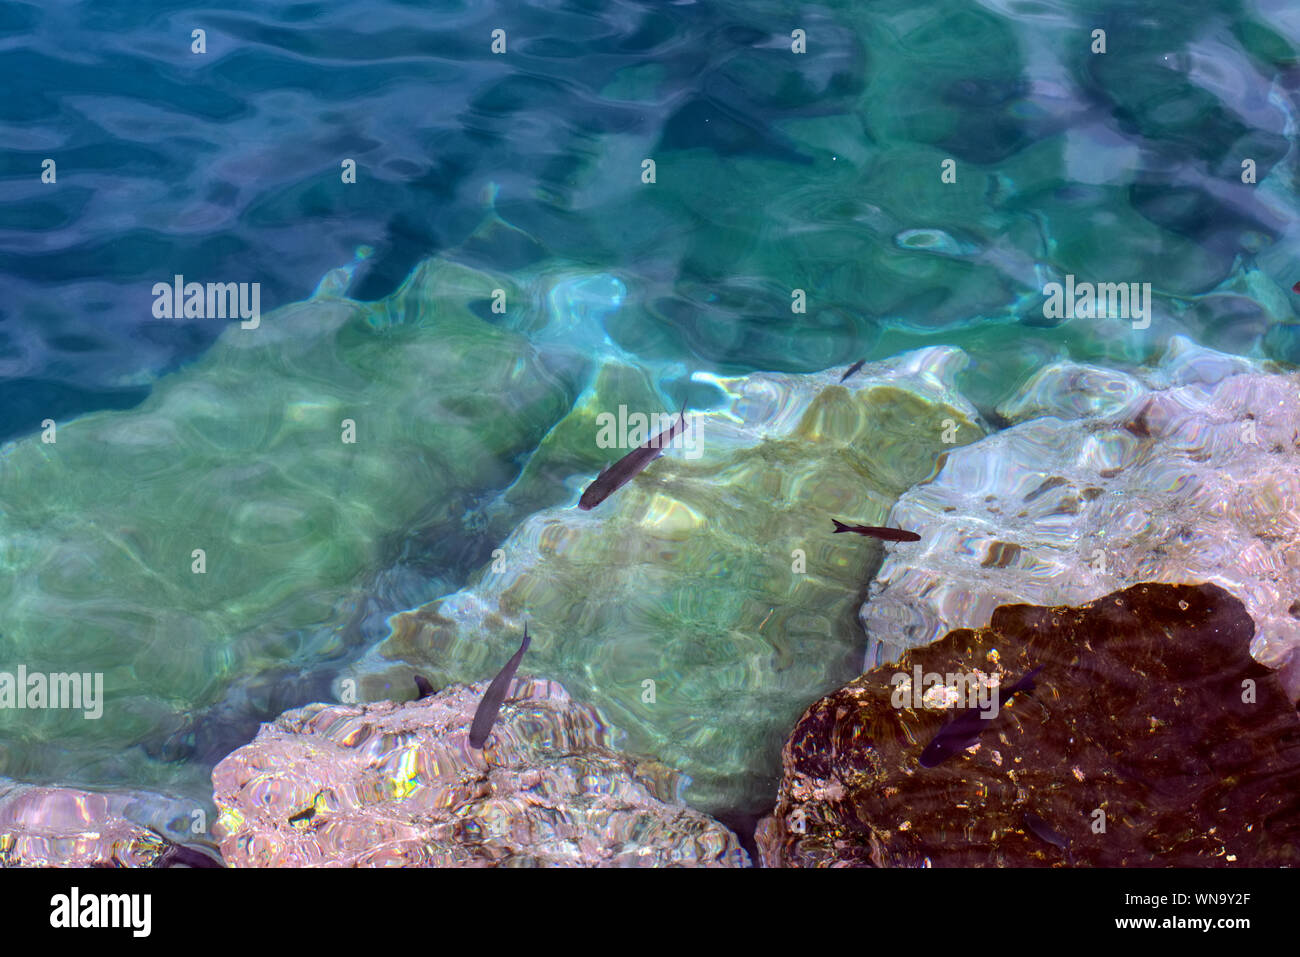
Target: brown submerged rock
<point x="1138" y="714"/>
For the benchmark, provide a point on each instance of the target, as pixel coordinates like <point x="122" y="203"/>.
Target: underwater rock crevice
<point x="704" y="603"/>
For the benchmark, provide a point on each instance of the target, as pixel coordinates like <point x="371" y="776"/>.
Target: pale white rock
<point x="1188" y="472"/>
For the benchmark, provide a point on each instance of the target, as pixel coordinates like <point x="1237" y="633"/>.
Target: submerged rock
<point x="67" y="827"/>
<point x="393" y="784"/>
<point x="228" y="524"/>
<point x="1149" y="718"/>
<point x="1189" y="473"/>
<point x="702" y="605"/>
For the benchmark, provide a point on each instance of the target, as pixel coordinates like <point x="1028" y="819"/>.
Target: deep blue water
<point x="225" y="167"/>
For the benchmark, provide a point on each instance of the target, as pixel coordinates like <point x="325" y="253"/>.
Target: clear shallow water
<point x="775" y="172"/>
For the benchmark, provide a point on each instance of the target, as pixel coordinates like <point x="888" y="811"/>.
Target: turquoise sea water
<point x="522" y="171"/>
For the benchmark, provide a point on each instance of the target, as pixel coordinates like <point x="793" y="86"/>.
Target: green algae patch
<point x="183" y="545"/>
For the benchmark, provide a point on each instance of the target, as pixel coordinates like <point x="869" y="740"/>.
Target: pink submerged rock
<point x="397" y="784"/>
<point x="69" y="827"/>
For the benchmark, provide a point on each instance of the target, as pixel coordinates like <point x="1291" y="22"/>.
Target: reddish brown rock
<point x="1150" y="716"/>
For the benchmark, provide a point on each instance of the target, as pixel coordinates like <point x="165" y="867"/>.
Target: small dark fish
<point x="486" y="715"/>
<point x="1046" y="832"/>
<point x="1042" y="829"/>
<point x="1296" y="287"/>
<point x="625" y="469"/>
<point x="963" y="730"/>
<point x="853" y="368"/>
<point x="178" y="855"/>
<point x="423" y="687"/>
<point x="878" y="531"/>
